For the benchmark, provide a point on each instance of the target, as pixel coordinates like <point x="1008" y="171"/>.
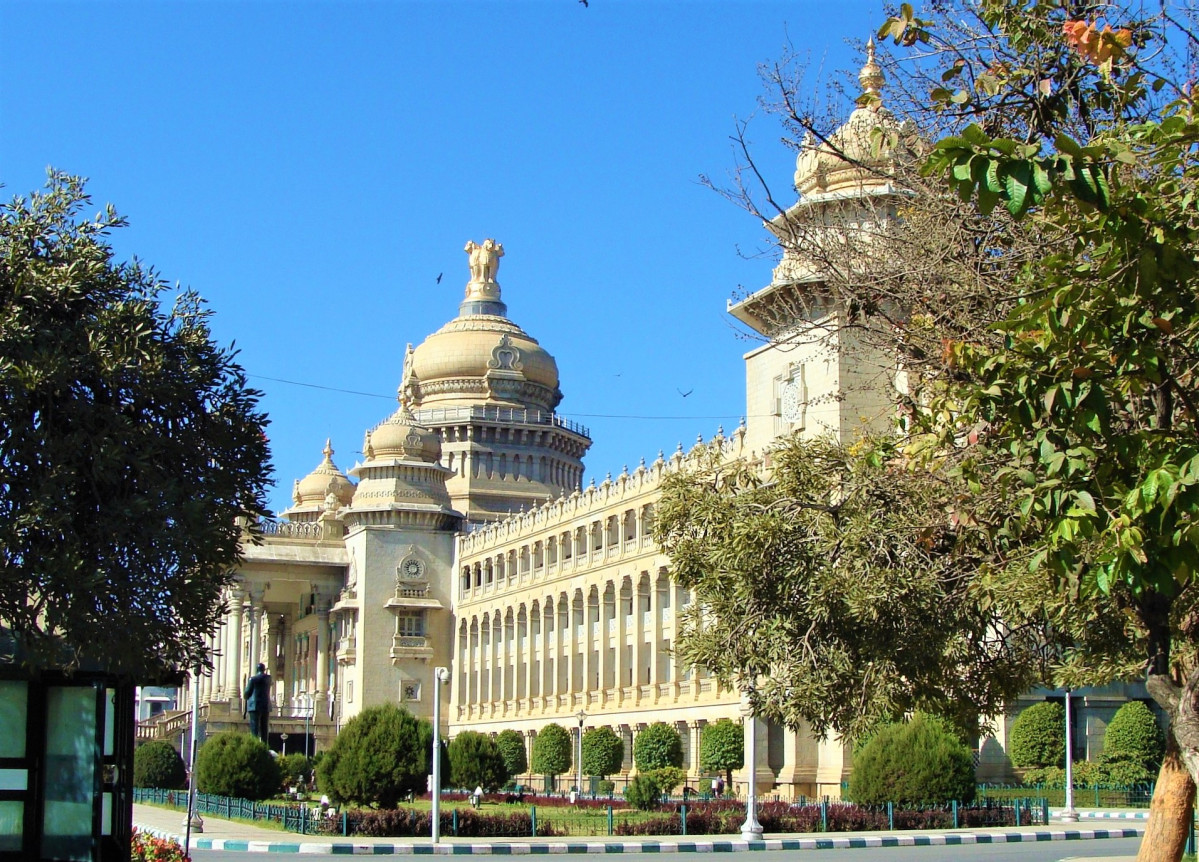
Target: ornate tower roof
<point x="848" y="160"/>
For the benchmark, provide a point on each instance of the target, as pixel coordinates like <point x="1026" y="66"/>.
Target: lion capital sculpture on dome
<point x="484" y="259"/>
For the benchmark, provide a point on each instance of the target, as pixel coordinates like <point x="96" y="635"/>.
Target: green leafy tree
<point x="157" y="764"/>
<point x="378" y="758"/>
<point x="512" y="746"/>
<point x="237" y="765"/>
<point x="130" y="446"/>
<point x="603" y="752"/>
<point x="476" y="761"/>
<point x="552" y="751"/>
<point x="657" y="746"/>
<point x="919" y="762"/>
<point x="1039" y="736"/>
<point x="722" y="748"/>
<point x="1085" y="388"/>
<point x="1133" y="735"/>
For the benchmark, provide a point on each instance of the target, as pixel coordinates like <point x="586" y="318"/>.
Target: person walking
<point x="258" y="704"/>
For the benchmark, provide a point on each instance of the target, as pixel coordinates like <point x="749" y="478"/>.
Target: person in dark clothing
<point x="258" y="703"/>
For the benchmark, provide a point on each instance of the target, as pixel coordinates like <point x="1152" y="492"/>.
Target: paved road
<point x="1044" y="851"/>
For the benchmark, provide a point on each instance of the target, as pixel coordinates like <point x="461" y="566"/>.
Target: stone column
<point x="619" y="677"/>
<point x="233" y="679"/>
<point x="283" y="661"/>
<point x="530" y="735"/>
<point x="655" y="646"/>
<point x="504" y="658"/>
<point x="220" y="662"/>
<point x="320" y="703"/>
<point x="602" y="647"/>
<point x="255" y="629"/>
<point x="588" y="648"/>
<point x="548" y="689"/>
<point x="568" y="648"/>
<point x="530" y="656"/>
<point x="695" y="730"/>
<point x="638" y="626"/>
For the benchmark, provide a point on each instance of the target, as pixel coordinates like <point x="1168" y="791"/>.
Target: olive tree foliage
<point x="845" y="586"/>
<point x="603" y="752"/>
<point x="130" y="445"/>
<point x="722" y="748"/>
<point x="512" y="747"/>
<point x="552" y="750"/>
<point x="657" y="747"/>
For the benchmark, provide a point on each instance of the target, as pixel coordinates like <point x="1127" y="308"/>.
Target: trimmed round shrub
<point x="1039" y="736"/>
<point x="606" y="787"/>
<point x="551" y="750"/>
<point x="643" y="793"/>
<point x="657" y="746"/>
<point x="1134" y="736"/>
<point x="158" y="764"/>
<point x="512" y="748"/>
<point x="603" y="752"/>
<point x="237" y="765"/>
<point x="476" y="761"/>
<point x="378" y="758"/>
<point x="920" y="762"/>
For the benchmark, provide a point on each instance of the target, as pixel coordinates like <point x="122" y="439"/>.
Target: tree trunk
<point x="1170" y="811"/>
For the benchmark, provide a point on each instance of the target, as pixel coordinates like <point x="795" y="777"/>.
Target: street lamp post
<point x="283" y="736"/>
<point x="751" y="829"/>
<point x="308" y="705"/>
<point x="581" y="716"/>
<point x="194" y="822"/>
<point x="440" y="675"/>
<point x="1069" y="815"/>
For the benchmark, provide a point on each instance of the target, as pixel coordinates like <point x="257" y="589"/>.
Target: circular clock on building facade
<point x="413" y="568"/>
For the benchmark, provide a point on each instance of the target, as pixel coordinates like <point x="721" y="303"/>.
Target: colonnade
<point x="598" y="645"/>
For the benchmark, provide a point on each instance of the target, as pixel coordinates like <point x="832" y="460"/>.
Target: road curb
<point x="933" y="839"/>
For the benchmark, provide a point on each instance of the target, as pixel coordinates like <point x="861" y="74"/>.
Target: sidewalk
<point x="231" y="835"/>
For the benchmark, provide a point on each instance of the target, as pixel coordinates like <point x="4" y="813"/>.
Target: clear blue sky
<point x="310" y="168"/>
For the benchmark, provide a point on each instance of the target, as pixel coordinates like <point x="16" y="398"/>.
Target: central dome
<point x="481" y="357"/>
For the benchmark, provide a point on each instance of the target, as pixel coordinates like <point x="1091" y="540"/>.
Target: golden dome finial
<point x="328" y="450"/>
<point x="871" y="77"/>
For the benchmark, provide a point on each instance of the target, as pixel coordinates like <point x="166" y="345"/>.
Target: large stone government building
<point x="469" y="541"/>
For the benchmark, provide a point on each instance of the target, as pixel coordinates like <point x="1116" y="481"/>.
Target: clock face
<point x="792" y="403"/>
<point x="414" y="568"/>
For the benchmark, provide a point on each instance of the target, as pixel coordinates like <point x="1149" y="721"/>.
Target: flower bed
<point x="409" y="823"/>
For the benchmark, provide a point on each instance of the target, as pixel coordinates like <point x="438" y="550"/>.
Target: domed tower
<point x="310" y="495"/>
<point x="489" y="390"/>
<point x="816" y="374"/>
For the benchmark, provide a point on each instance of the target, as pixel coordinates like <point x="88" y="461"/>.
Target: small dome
<point x="399" y="436"/>
<point x="324" y="480"/>
<point x="848" y="159"/>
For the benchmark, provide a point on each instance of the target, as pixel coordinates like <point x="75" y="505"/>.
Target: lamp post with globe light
<point x="1069" y="815"/>
<point x="581" y="716"/>
<point x="440" y="675"/>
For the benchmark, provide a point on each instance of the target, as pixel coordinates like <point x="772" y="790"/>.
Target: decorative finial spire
<point x="871" y="77"/>
<point x="328" y="450"/>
